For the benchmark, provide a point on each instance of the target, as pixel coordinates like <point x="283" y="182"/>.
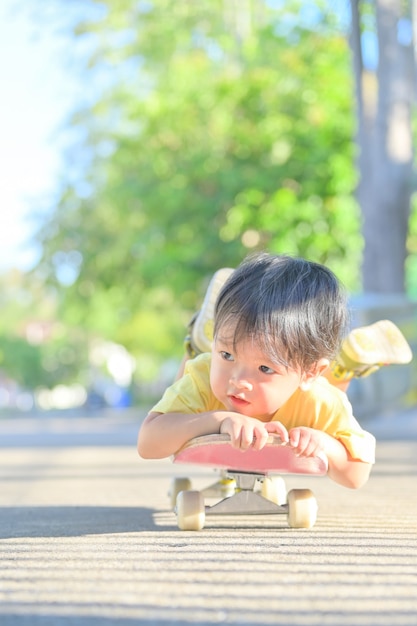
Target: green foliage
<point x="220" y="133"/>
<point x="35" y="348"/>
<point x="21" y="361"/>
<point x="411" y="262"/>
<point x="37" y="365"/>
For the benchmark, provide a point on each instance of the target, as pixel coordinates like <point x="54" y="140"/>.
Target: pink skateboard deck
<point x="275" y="458"/>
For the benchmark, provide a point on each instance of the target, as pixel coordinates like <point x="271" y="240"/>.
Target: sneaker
<point x="200" y="328"/>
<point x="368" y="348"/>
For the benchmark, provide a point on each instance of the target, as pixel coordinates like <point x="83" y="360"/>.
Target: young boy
<point x="278" y="325"/>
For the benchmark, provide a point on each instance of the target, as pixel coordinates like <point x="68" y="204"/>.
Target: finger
<point x="260" y="438"/>
<point x="304" y="442"/>
<point x="234" y="430"/>
<point x="294" y="437"/>
<point x="246" y="438"/>
<point x="314" y="449"/>
<point x="277" y="428"/>
<point x="307" y="444"/>
<point x="307" y="450"/>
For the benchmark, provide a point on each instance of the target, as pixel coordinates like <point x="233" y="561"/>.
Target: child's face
<point x="246" y="381"/>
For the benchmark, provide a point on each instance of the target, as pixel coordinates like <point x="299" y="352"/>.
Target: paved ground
<point x="87" y="538"/>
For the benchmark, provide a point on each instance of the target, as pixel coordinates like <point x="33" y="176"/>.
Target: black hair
<point x="294" y="310"/>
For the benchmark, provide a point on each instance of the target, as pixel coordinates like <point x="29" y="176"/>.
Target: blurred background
<point x="144" y="144"/>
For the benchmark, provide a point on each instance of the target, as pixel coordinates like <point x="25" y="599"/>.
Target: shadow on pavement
<point x="70" y="620"/>
<point x="164" y="617"/>
<point x="16" y="619"/>
<point x="72" y="521"/>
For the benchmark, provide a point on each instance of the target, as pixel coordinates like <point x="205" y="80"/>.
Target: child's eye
<point x="226" y="356"/>
<point x="266" y="370"/>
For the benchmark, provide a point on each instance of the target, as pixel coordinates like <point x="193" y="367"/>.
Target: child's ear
<point x="316" y="370"/>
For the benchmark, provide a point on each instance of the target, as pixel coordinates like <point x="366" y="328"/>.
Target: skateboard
<point x="241" y="473"/>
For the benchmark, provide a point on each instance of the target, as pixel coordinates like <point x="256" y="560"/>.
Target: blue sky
<point x="36" y="97"/>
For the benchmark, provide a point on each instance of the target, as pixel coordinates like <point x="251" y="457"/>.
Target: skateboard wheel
<point x="302" y="508"/>
<point x="273" y="489"/>
<point x="177" y="485"/>
<point x="191" y="512"/>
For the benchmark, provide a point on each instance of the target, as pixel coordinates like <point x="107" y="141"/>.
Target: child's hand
<point x="247" y="432"/>
<point x="307" y="441"/>
<point x="276" y="428"/>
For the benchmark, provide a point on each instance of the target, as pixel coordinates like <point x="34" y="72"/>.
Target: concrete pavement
<point x="87" y="538"/>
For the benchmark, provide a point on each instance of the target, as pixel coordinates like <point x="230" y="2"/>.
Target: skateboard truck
<point x="245" y="500"/>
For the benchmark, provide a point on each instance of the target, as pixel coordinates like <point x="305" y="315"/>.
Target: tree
<point x="36" y="349"/>
<point x="384" y="136"/>
<point x="220" y="133"/>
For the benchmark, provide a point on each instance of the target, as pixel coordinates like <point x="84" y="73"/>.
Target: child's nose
<point x="240" y="381"/>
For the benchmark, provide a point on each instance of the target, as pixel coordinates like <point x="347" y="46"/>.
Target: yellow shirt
<point x="323" y="407"/>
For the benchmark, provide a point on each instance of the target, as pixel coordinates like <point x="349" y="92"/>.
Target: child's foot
<point x="367" y="348"/>
<point x="200" y="329"/>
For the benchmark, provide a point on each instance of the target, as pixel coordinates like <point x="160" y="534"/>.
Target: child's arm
<point x="343" y="469"/>
<point x="163" y="434"/>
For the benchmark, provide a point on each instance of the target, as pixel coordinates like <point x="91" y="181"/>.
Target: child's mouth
<point x="238" y="402"/>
